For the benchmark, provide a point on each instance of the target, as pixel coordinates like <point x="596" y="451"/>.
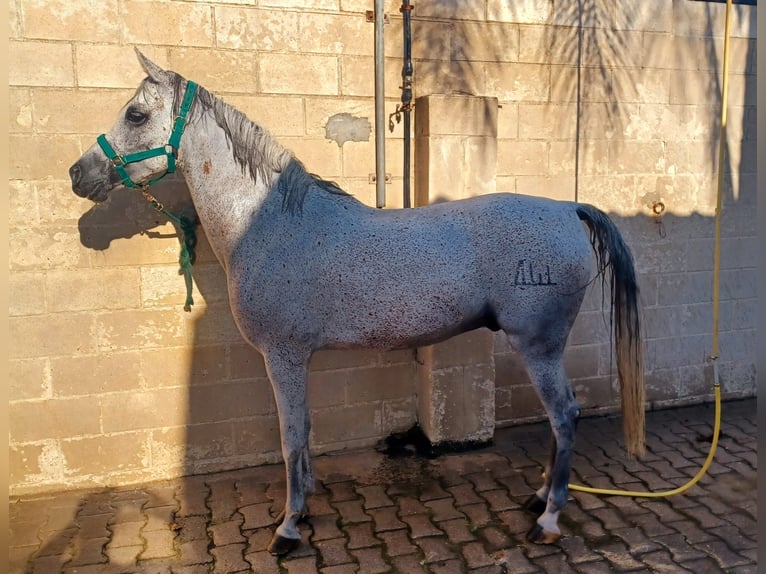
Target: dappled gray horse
<point x="309" y="267"/>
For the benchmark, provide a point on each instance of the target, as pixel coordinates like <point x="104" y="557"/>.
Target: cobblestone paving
<point x="456" y="513"/>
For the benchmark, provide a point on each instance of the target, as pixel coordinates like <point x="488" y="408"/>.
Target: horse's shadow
<point x="127" y="214"/>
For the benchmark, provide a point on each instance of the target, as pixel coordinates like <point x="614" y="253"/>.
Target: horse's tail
<point x="613" y="253"/>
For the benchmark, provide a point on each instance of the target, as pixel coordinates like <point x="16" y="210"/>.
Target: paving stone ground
<point x="457" y="513"/>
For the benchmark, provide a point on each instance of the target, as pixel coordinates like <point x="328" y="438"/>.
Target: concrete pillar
<point x="455" y="147"/>
<point x="456" y="157"/>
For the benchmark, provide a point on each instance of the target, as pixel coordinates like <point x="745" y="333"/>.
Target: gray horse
<point x="309" y="267"/>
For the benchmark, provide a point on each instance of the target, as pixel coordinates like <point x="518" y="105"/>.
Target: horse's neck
<point x="224" y="195"/>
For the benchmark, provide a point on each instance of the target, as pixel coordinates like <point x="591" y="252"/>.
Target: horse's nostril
<point x="75" y="173"/>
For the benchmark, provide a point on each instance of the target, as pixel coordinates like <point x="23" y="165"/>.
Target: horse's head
<point x="138" y="149"/>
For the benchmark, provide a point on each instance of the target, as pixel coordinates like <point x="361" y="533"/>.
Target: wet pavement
<point x="455" y="513"/>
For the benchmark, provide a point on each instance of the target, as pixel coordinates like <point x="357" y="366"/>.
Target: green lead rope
<point x="188" y="240"/>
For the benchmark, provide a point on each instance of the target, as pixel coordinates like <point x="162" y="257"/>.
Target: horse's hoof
<point x="280" y="545"/>
<point x="539" y="535"/>
<point x="535" y="505"/>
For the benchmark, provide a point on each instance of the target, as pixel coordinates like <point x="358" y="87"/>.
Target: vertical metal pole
<point x="380" y="111"/>
<point x="406" y="10"/>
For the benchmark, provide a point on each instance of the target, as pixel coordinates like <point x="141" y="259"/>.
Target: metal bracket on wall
<point x="372" y="178"/>
<point x="369" y="16"/>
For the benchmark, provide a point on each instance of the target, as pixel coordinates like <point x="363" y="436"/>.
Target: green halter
<point x="188" y="237"/>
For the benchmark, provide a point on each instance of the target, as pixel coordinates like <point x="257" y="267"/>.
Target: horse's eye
<point x="135" y="117"/>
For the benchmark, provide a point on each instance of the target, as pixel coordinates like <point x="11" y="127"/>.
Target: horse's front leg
<point x="288" y="374"/>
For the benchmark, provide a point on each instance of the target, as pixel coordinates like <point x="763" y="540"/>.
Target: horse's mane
<point x="258" y="153"/>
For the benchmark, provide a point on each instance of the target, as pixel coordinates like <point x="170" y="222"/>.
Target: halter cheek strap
<point x="169" y="150"/>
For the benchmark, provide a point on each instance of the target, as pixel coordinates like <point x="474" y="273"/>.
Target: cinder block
<point x="450" y="10"/>
<point x="518" y="82"/>
<point x="595" y="393"/>
<point x="298" y="74"/>
<point x="318" y="155"/>
<point x="381" y="383"/>
<point x="328" y="388"/>
<point x="247" y="28"/>
<point x="399" y="415"/>
<point x="356" y="79"/>
<point x="88" y="289"/>
<point x="335" y="34"/>
<point x="220" y="71"/>
<point x="559" y="187"/>
<point x="28" y="379"/>
<point x="258" y="436"/>
<point x="124" y="70"/>
<point x="95" y="374"/>
<point x="106" y="455"/>
<point x="510" y="371"/>
<point x="438" y="77"/>
<point x="32" y="421"/>
<point x="230" y="400"/>
<point x="162" y="23"/>
<point x="456" y="404"/>
<point x="39" y="156"/>
<point x="213" y="326"/>
<point x="528" y="12"/>
<point x="26" y="294"/>
<point x="432" y="37"/>
<point x="525" y="404"/>
<point x="545" y="44"/>
<point x="138" y="329"/>
<point x="336" y="425"/>
<point x="471" y="348"/>
<point x="456" y="115"/>
<point x="636" y="157"/>
<point x="653" y="17"/>
<point x="138" y="410"/>
<point x="245" y="362"/>
<point x="40" y="64"/>
<point x="581" y="361"/>
<point x="30" y="336"/>
<point x="523" y="157"/>
<point x="72" y="21"/>
<point x="20" y="117"/>
<point x="485" y="42"/>
<point x="87" y="110"/>
<point x="203" y="442"/>
<point x="662" y="384"/>
<point x="611" y="48"/>
<point x="644" y="86"/>
<point x="24" y="463"/>
<point x="281" y="116"/>
<point x="547" y="122"/>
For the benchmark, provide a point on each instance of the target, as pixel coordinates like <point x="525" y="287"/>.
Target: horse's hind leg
<point x="288" y="374"/>
<point x="547" y="374"/>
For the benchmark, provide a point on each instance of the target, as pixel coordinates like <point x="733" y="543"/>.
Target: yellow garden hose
<point x="716" y="297"/>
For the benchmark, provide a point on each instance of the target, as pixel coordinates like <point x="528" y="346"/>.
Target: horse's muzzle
<point x="75" y="174"/>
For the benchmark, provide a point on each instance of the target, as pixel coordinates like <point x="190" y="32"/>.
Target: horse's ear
<point x="153" y="70"/>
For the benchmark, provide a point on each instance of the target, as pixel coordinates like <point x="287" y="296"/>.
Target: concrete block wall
<point x="112" y="383"/>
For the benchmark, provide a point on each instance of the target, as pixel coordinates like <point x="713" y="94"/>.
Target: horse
<point x="310" y="267"/>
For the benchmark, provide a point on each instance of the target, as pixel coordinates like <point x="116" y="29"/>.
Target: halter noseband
<point x="169" y="150"/>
